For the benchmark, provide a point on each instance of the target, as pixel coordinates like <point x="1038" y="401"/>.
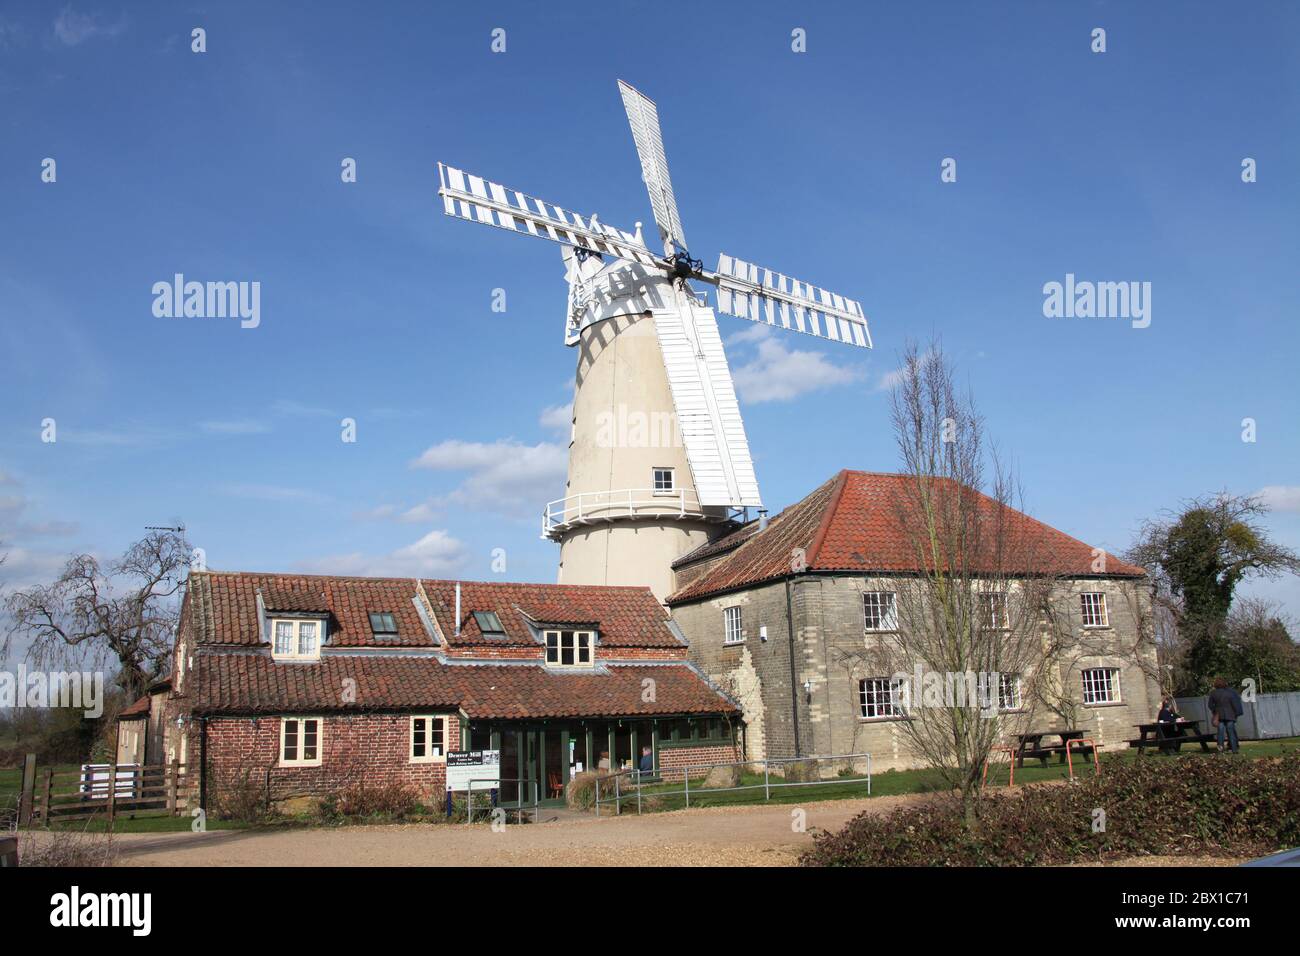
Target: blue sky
<point x="1115" y="166"/>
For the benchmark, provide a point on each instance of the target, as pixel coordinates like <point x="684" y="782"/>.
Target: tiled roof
<point x="625" y="616"/>
<point x="853" y="523"/>
<point x="252" y="683"/>
<point x="139" y="709"/>
<point x="224" y="606"/>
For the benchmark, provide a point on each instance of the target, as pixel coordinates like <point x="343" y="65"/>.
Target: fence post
<point x="767" y="781"/>
<point x="618" y="797"/>
<point x="112" y="794"/>
<point x="173" y="772"/>
<point x="26" y="798"/>
<point x="686" y="775"/>
<point x="46" y="796"/>
<point x="597" y="794"/>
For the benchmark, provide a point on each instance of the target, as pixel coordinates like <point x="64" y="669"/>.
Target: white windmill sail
<point x="761" y="295"/>
<point x="471" y="197"/>
<point x="708" y="415"/>
<point x="643" y="116"/>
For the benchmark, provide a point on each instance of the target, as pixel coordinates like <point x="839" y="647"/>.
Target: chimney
<point x="762" y="519"/>
<point x="458" y="609"/>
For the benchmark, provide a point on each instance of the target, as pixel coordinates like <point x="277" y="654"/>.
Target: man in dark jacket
<point x="1225" y="703"/>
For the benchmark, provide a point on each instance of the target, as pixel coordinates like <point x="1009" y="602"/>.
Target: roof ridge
<point x="828" y="516"/>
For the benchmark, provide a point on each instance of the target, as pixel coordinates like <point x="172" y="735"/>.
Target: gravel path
<point x="714" y="836"/>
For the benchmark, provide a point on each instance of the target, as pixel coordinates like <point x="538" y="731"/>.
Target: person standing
<point x="1225" y="707"/>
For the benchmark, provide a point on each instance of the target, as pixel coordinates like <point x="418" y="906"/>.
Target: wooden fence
<point x="104" y="791"/>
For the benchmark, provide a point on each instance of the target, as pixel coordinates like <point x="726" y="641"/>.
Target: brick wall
<point x="363" y="747"/>
<point x="674" y="758"/>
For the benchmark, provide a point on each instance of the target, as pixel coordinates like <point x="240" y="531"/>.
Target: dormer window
<point x="569" y="648"/>
<point x="489" y="624"/>
<point x="383" y="625"/>
<point x="294" y="639"/>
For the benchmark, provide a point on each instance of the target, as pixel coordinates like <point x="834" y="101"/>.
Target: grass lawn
<point x="668" y="796"/>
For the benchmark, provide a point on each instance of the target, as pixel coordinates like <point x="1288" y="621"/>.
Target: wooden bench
<point x="1184" y="732"/>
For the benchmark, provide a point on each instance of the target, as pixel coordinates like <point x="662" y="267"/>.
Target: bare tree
<point x="90" y="615"/>
<point x="976" y="618"/>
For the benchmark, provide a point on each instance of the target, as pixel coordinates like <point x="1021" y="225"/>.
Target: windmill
<point x="658" y="460"/>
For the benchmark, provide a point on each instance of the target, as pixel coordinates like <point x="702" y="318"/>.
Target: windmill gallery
<point x="681" y="631"/>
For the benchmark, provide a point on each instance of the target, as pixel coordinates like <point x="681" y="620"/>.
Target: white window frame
<point x="1086" y="612"/>
<point x="888" y="618"/>
<point x="671" y="489"/>
<point x="990" y="602"/>
<point x="295" y="652"/>
<point x="1015" y="700"/>
<point x="892" y="702"/>
<point x="733" y="625"/>
<point x="1111" y="686"/>
<point x="299" y="760"/>
<point x="428" y="757"/>
<point x="577" y="647"/>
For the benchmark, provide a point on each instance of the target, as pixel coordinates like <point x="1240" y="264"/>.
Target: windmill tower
<point x="658" y="460"/>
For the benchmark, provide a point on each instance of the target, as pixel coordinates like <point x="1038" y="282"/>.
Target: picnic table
<point x="1031" y="745"/>
<point x="1170" y="734"/>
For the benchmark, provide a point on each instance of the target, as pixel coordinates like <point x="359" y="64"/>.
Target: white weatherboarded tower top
<point x="658" y="461"/>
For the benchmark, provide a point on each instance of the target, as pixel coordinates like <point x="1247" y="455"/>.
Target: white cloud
<point x="437" y="554"/>
<point x="1281" y="497"/>
<point x="72" y="28"/>
<point x="503" y="476"/>
<point x="779" y="373"/>
<point x="557" y="417"/>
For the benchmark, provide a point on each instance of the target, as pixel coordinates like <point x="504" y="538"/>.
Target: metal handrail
<point x="588" y="506"/>
<point x="767" y="786"/>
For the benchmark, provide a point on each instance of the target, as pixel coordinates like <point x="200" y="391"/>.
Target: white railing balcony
<point x="596" y="507"/>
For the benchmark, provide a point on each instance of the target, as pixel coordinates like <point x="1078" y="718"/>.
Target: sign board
<point x="483" y="767"/>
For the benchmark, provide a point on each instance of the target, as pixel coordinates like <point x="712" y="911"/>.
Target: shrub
<point x="581" y="791"/>
<point x="387" y="800"/>
<point x="239" y="796"/>
<point x="66" y="848"/>
<point x="1187" y="806"/>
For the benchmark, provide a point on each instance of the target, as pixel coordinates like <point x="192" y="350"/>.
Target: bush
<point x="239" y="796"/>
<point x="1187" y="806"/>
<point x="66" y="848"/>
<point x="386" y="800"/>
<point x="581" y="792"/>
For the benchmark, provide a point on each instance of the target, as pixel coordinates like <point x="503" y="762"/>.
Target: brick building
<point x="306" y="683"/>
<point x="772" y="610"/>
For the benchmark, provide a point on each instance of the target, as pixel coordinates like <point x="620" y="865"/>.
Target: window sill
<point x="733" y="643"/>
<point x="298" y="764"/>
<point x="424" y="761"/>
<point x="881" y="720"/>
<point x="1096" y="627"/>
<point x="1107" y="703"/>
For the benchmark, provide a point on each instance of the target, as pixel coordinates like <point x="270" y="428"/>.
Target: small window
<point x="878" y="611"/>
<point x="1009" y="692"/>
<point x="1101" y="685"/>
<point x="732" y="632"/>
<point x="880" y="697"/>
<point x="296" y="640"/>
<point x="993" y="611"/>
<point x="300" y="741"/>
<point x="383" y="624"/>
<point x="663" y="480"/>
<point x="428" y="739"/>
<point x="1094" y="609"/>
<point x="569" y="648"/>
<point x="489" y="624"/>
